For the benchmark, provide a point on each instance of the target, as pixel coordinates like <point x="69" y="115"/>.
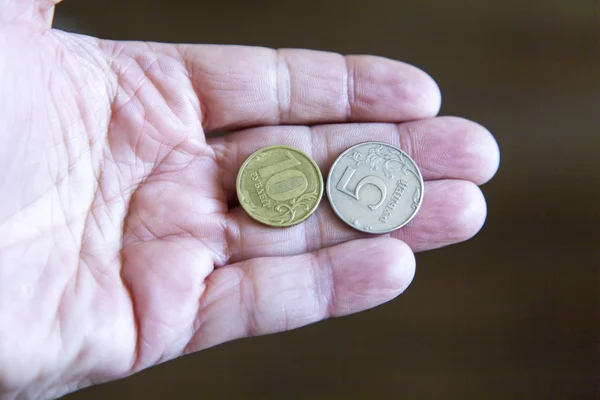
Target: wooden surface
<point x="514" y="313"/>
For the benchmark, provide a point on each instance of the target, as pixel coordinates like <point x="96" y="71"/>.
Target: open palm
<point x="121" y="242"/>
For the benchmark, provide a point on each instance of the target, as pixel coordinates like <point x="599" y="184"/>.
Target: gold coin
<point x="279" y="186"/>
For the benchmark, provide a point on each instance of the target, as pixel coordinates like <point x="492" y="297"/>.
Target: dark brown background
<point x="514" y="313"/>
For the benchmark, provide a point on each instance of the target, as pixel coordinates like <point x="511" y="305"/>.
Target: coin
<point x="375" y="187"/>
<point x="279" y="186"/>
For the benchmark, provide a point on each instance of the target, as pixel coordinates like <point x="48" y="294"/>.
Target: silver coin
<point x="375" y="187"/>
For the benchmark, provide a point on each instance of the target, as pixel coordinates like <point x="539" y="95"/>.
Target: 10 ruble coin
<point x="279" y="186"/>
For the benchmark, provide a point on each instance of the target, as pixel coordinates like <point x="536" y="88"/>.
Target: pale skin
<point x="122" y="243"/>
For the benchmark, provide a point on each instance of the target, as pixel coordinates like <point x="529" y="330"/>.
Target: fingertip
<point x="490" y="163"/>
<point x="383" y="265"/>
<point x="392" y="90"/>
<point x="400" y="263"/>
<point x="428" y="94"/>
<point x="422" y="91"/>
<point x="471" y="211"/>
<point x="449" y="147"/>
<point x="478" y="147"/>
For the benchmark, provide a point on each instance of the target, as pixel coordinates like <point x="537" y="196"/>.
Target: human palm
<point x="122" y="245"/>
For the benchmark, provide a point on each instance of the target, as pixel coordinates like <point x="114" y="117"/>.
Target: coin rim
<point x="277" y="146"/>
<point x="337" y="212"/>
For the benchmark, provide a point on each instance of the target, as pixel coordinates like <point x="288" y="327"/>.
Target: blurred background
<point x="513" y="313"/>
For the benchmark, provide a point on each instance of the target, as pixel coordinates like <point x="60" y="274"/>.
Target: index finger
<point x="247" y="86"/>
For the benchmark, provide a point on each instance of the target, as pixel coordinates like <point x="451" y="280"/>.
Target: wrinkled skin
<point x="122" y="245"/>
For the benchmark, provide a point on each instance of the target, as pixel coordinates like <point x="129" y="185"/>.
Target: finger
<point x="28" y="10"/>
<point x="443" y="147"/>
<point x="452" y="211"/>
<point x="247" y="86"/>
<point x="267" y="295"/>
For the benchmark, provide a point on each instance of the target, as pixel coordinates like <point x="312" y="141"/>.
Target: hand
<point x="122" y="245"/>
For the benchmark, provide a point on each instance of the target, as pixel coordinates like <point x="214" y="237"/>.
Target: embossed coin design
<point x="375" y="187"/>
<point x="279" y="186"/>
